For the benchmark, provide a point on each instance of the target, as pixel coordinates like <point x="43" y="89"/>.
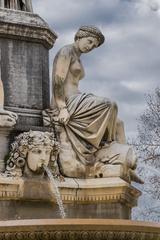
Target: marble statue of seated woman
<point x="30" y="152"/>
<point x="90" y="130"/>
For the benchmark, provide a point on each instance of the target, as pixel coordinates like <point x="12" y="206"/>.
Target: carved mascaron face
<point x="86" y="44"/>
<point x="37" y="157"/>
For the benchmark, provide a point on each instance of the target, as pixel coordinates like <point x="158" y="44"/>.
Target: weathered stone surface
<point x="11" y="188"/>
<point x="7" y="119"/>
<point x="24" y="75"/>
<point x="26" y="26"/>
<point x="30" y="152"/>
<point x="25" y="39"/>
<point x="97" y="198"/>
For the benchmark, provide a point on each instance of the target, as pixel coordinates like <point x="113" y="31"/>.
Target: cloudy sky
<point x="127" y="65"/>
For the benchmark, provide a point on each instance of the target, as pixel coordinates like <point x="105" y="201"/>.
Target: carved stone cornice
<point x="25" y="26"/>
<point x="10" y="188"/>
<point x="78" y="229"/>
<point x="78" y="235"/>
<point x="102" y="190"/>
<point x="81" y="191"/>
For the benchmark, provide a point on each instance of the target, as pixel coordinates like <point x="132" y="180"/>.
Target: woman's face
<point x="86" y="44"/>
<point x="39" y="156"/>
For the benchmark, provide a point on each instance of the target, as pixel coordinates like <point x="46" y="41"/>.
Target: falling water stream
<point x="56" y="191"/>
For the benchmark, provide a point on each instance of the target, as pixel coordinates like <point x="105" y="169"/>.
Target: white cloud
<point x="136" y="85"/>
<point x="145" y="6"/>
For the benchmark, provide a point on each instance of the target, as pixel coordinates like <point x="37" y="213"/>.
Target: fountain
<point x="66" y="171"/>
<point x="56" y="192"/>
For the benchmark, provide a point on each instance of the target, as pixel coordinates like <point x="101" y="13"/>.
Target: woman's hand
<point x="63" y="116"/>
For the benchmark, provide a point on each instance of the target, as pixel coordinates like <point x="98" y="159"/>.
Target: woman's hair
<point x="26" y="141"/>
<point x="90" y="31"/>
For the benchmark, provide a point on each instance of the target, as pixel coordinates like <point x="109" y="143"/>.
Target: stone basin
<point x="78" y="229"/>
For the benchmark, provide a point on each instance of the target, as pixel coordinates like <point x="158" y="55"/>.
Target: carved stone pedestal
<point x="111" y="198"/>
<point x="25" y="40"/>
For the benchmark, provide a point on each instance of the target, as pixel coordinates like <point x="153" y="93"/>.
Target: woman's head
<point x="33" y="147"/>
<point x="89" y="37"/>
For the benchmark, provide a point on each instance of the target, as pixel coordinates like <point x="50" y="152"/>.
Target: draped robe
<point x="92" y="118"/>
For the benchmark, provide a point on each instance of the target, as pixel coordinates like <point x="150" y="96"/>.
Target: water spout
<point x="56" y="191"/>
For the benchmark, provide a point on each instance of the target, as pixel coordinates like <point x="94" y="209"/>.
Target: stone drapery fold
<point x="92" y="118"/>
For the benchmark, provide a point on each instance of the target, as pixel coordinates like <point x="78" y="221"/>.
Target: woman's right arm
<point x="60" y="71"/>
<point x="63" y="116"/>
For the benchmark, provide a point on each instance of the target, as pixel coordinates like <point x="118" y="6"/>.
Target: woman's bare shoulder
<point x="67" y="50"/>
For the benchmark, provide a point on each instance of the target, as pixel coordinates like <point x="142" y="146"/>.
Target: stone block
<point x="90" y="198"/>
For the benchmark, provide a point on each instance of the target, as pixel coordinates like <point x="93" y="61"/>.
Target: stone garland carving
<point x="30" y="151"/>
<point x="79" y="235"/>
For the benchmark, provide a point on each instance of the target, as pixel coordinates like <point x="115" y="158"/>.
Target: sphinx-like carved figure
<point x="30" y="152"/>
<point x="92" y="138"/>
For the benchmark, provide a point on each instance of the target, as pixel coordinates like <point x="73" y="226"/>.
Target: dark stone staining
<point x="23" y="209"/>
<point x="34" y="76"/>
<point x="21" y="5"/>
<point x="101" y="175"/>
<point x="25" y="74"/>
<point x="7" y="3"/>
<point x="45" y="79"/>
<point x="59" y="88"/>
